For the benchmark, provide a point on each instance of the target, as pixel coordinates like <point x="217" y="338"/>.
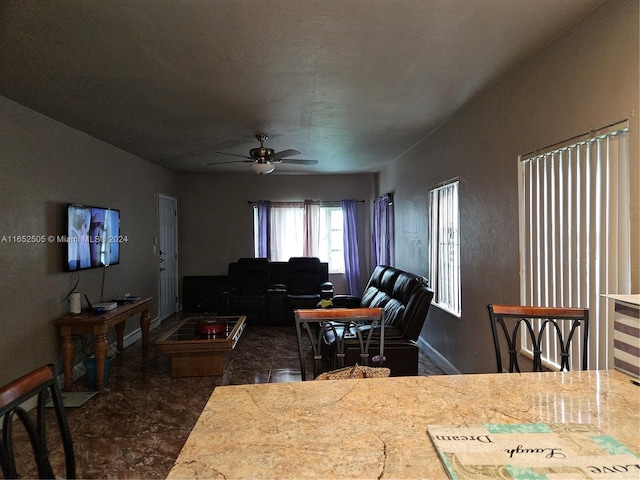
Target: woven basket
<point x="356" y="371"/>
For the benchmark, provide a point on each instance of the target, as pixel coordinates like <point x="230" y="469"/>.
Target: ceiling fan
<point x="263" y="159"/>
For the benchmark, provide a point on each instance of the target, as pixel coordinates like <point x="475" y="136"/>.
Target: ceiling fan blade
<point x="231" y="161"/>
<point x="286" y="153"/>
<point x="298" y="161"/>
<point x="234" y="155"/>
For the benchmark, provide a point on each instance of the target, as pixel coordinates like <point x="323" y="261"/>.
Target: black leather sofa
<point x="405" y="299"/>
<point x="268" y="292"/>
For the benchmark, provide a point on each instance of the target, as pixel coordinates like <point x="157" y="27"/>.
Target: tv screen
<point x="93" y="237"/>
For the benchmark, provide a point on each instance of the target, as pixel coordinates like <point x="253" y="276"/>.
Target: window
<point x="298" y="229"/>
<point x="574" y="231"/>
<point x="331" y="248"/>
<point x="444" y="246"/>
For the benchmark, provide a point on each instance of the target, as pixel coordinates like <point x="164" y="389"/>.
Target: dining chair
<point x="40" y="383"/>
<point x="357" y="323"/>
<point x="546" y="327"/>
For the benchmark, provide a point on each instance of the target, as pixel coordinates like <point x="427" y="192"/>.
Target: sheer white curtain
<point x="287" y="235"/>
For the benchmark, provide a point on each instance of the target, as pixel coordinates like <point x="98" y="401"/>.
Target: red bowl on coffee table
<point x="211" y="327"/>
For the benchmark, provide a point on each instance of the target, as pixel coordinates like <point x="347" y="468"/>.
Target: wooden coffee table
<point x="198" y="343"/>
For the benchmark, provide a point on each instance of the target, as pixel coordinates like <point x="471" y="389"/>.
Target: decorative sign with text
<point x="533" y="451"/>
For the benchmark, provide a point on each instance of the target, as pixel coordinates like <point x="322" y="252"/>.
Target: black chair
<point x="359" y="324"/>
<point x="308" y="283"/>
<point x="545" y="326"/>
<point x="41" y="383"/>
<point x="246" y="293"/>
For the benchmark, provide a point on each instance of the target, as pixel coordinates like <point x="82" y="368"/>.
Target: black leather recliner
<point x="308" y="283"/>
<point x="405" y="299"/>
<point x="246" y="292"/>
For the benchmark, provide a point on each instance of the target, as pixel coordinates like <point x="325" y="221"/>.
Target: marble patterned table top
<point x="633" y="299"/>
<point x="377" y="428"/>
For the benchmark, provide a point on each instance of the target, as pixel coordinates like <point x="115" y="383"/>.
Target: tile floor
<point x="137" y="428"/>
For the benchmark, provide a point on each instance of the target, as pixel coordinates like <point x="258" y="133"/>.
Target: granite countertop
<point x="633" y="299"/>
<point x="377" y="428"/>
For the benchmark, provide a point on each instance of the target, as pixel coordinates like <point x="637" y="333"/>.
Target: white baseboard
<point x="440" y="360"/>
<point x="136" y="335"/>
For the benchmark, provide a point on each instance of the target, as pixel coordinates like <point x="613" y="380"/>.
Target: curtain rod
<point x="590" y="135"/>
<point x="252" y="202"/>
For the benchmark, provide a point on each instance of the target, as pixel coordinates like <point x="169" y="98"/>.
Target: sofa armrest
<point x="346" y="301"/>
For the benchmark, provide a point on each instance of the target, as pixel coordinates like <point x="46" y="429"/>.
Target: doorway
<point x="168" y="254"/>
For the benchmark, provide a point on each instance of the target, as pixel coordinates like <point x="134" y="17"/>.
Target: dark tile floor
<point x="137" y="428"/>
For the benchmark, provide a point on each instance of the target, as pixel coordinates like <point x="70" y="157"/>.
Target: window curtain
<point x="311" y="228"/>
<point x="264" y="223"/>
<point x="383" y="231"/>
<point x="351" y="252"/>
<point x="287" y="230"/>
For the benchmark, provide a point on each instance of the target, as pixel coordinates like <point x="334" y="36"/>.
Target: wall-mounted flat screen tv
<point x="93" y="237"/>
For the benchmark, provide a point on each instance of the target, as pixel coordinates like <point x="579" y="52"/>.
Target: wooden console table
<point x="97" y="324"/>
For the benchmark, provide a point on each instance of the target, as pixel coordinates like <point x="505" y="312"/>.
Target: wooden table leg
<point x="120" y="336"/>
<point x="100" y="353"/>
<point x="68" y="355"/>
<point x="145" y="322"/>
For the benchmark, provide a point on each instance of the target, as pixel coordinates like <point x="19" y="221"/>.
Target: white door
<point x="168" y="255"/>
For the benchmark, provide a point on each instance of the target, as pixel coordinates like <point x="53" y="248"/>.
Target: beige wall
<point x="216" y="221"/>
<point x="44" y="165"/>
<point x="586" y="79"/>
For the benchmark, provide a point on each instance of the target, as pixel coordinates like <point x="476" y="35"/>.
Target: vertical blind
<point x="444" y="246"/>
<point x="574" y="232"/>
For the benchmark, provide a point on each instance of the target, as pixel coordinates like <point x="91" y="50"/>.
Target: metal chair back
<point x="544" y="326"/>
<point x="40" y="383"/>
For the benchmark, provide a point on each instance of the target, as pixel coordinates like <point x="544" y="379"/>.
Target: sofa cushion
<point x="404" y="286"/>
<point x="393" y="312"/>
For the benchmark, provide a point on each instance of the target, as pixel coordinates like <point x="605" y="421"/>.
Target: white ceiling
<point x="354" y="84"/>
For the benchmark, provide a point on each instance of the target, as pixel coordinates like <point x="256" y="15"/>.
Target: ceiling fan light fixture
<point x="262" y="168"/>
<point x="263" y="159"/>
